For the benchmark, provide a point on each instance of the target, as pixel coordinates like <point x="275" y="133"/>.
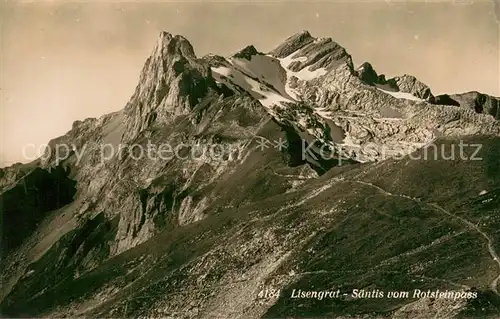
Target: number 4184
<point x="269" y="293"/>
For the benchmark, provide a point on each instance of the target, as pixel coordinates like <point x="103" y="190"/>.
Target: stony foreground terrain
<point x="326" y="177"/>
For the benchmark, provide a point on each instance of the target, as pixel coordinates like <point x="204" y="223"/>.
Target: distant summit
<point x="247" y="53"/>
<point x="479" y="102"/>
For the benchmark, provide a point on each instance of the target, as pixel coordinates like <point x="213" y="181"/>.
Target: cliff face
<point x="171" y="83"/>
<point x="481" y="103"/>
<point x="224" y="176"/>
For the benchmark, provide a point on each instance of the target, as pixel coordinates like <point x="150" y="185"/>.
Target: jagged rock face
<point x="444" y="99"/>
<point x="172" y="82"/>
<point x="481" y="103"/>
<point x="247" y="53"/>
<point x="380" y="123"/>
<point x="306" y="85"/>
<point x="315" y="54"/>
<point x="218" y="266"/>
<point x="405" y="84"/>
<point x="136" y="198"/>
<point x="292" y="44"/>
<point x="410" y="84"/>
<point x="367" y="74"/>
<point x="214" y="60"/>
<point x="9" y="175"/>
<point x="131" y="225"/>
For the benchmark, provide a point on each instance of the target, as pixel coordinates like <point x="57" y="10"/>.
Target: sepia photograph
<point x="250" y="159"/>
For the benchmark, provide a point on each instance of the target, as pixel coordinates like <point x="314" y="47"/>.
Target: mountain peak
<point x="410" y="84"/>
<point x="367" y="74"/>
<point x="246" y="53"/>
<point x="292" y="44"/>
<point x="172" y="82"/>
<point x="165" y="35"/>
<point x="168" y="44"/>
<point x="303" y="34"/>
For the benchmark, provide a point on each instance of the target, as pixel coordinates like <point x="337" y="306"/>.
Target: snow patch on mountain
<point x="402" y="95"/>
<point x="324" y="112"/>
<point x="266" y="69"/>
<point x="305" y="74"/>
<point x="234" y="78"/>
<point x="265" y="77"/>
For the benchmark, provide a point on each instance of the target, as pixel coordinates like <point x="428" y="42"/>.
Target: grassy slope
<point x="349" y="235"/>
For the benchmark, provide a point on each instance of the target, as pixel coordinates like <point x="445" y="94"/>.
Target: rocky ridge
<point x="166" y="223"/>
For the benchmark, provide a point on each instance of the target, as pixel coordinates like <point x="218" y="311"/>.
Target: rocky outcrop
<point x="330" y="225"/>
<point x="292" y="44"/>
<point x="410" y="84"/>
<point x="405" y="84"/>
<point x="171" y="83"/>
<point x="379" y="122"/>
<point x="444" y="99"/>
<point x="313" y="53"/>
<point x="367" y="74"/>
<point x="229" y="176"/>
<point x="481" y="103"/>
<point x="246" y="53"/>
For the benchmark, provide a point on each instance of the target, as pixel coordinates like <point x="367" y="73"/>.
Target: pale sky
<point x="63" y="61"/>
